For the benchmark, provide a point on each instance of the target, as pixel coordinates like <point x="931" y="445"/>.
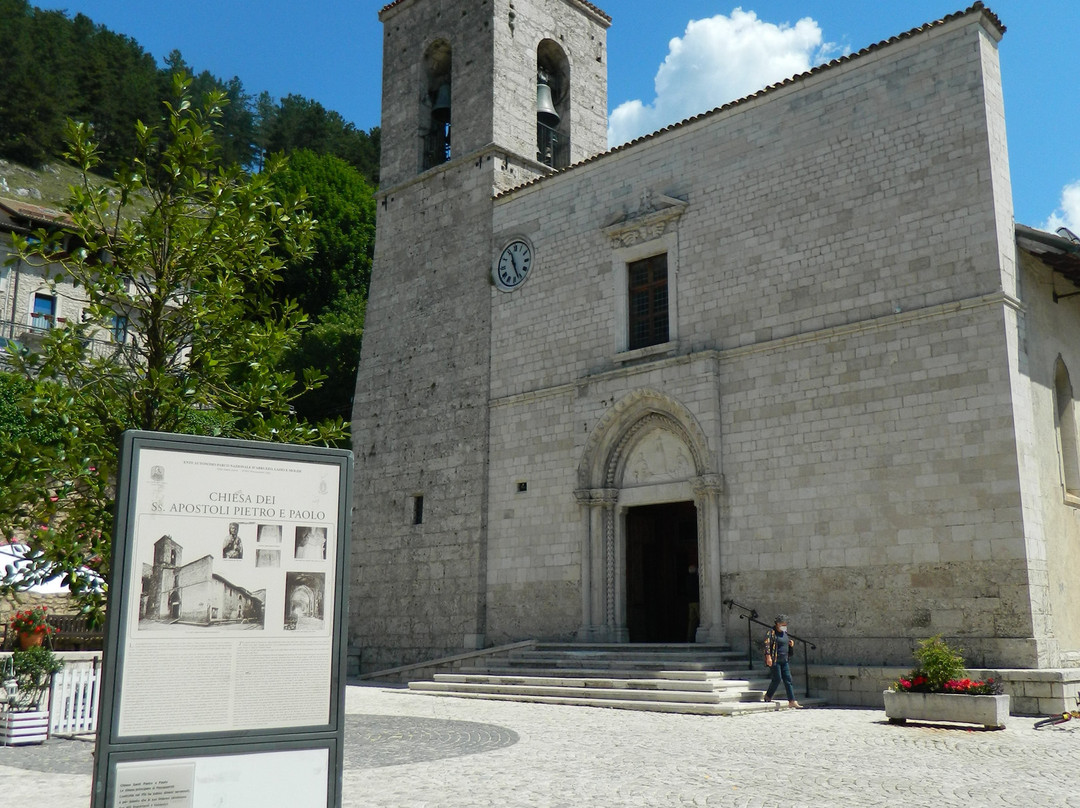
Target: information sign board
<point x="223" y="669"/>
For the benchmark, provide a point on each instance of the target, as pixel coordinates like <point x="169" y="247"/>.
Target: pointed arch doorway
<point x="650" y="489"/>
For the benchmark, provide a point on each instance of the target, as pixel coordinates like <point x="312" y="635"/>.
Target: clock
<point x="513" y="266"/>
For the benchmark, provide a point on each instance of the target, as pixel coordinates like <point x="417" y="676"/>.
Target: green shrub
<point x="939" y="662"/>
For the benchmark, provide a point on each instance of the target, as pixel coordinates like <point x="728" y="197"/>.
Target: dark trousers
<point x="780" y="670"/>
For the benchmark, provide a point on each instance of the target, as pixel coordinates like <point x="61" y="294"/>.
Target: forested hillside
<point x="55" y="67"/>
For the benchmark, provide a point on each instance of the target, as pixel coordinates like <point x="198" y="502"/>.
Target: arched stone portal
<point x="648" y="450"/>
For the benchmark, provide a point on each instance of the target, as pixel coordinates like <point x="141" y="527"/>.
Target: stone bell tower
<point x="478" y="96"/>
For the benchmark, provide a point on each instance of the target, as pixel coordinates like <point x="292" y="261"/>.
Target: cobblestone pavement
<point x="407" y="749"/>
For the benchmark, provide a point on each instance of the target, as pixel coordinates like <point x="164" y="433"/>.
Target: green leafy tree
<point x="236" y="127"/>
<point x="116" y="84"/>
<point x="331" y="284"/>
<point x="343" y="206"/>
<point x="297" y="123"/>
<point x="179" y="260"/>
<point x="37" y="89"/>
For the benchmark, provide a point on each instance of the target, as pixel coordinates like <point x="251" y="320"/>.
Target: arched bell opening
<point x="436" y="99"/>
<point x="552" y="105"/>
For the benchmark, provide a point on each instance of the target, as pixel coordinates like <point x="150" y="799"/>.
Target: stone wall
<point x="420" y="423"/>
<point x="60" y="603"/>
<point x="840" y="334"/>
<point x="865" y="392"/>
<point x="1046" y="331"/>
<point x="11" y="603"/>
<point x="1031" y="692"/>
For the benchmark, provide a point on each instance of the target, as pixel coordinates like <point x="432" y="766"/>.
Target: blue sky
<point x="329" y="50"/>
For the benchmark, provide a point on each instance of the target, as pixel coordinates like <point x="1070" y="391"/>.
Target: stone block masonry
<point x="855" y="395"/>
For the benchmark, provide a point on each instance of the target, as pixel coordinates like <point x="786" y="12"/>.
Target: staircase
<point x="672" y="678"/>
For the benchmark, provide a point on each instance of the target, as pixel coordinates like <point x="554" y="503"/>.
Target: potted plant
<point x="32" y="626"/>
<point x="940" y="689"/>
<point x="30" y="670"/>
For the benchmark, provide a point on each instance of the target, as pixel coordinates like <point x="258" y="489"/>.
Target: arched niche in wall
<point x="1065" y="424"/>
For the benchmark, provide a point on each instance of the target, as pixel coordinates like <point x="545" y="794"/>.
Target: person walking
<point x="778" y="647"/>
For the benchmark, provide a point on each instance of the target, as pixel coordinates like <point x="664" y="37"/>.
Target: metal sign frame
<point x="224" y="661"/>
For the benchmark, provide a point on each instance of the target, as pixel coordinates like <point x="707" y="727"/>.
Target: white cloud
<point x="1068" y="215"/>
<point x="718" y="60"/>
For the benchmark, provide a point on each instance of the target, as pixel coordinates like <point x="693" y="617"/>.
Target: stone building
<point x="175" y="592"/>
<point x="34" y="299"/>
<point x="793" y="352"/>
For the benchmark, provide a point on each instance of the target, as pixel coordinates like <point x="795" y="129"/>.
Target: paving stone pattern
<point x="408" y="749"/>
<point x="392" y="740"/>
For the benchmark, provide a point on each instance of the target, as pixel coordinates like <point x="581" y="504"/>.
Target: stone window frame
<point x="647" y="231"/>
<point x="414" y="509"/>
<point x="1065" y="429"/>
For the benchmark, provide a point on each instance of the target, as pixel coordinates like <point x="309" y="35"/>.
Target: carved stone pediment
<point x="651" y="219"/>
<point x="659" y="457"/>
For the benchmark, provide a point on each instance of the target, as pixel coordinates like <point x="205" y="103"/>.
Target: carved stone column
<point x="597" y="565"/>
<point x="707" y="489"/>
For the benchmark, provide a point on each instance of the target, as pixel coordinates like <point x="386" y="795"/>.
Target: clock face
<point x="513" y="265"/>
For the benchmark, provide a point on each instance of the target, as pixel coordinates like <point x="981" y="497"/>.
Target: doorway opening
<point x="661" y="573"/>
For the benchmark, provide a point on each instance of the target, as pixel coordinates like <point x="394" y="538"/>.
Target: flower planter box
<point x="990" y="711"/>
<point x="19" y="728"/>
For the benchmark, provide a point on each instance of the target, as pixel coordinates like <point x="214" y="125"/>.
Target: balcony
<point x="27" y="338"/>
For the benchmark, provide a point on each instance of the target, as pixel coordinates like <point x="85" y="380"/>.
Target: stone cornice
<point x="649" y="221"/>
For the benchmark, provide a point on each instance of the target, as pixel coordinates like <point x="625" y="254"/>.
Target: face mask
<point x="781" y="629"/>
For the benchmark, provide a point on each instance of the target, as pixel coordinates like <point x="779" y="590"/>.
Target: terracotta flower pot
<point x="30" y="640"/>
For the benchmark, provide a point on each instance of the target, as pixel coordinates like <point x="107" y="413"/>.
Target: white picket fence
<point x="73" y="701"/>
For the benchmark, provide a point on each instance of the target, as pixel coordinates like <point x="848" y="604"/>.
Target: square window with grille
<point x="648" y="299"/>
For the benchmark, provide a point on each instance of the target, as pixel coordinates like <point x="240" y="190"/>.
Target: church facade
<point x="792" y="353"/>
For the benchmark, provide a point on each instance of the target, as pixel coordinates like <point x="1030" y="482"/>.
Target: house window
<point x="647" y="300"/>
<point x="44" y="313"/>
<point x="1065" y="422"/>
<point x="418" y="509"/>
<point x="119" y="328"/>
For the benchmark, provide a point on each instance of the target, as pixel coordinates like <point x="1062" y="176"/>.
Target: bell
<point x="440" y="109"/>
<point x="545" y="107"/>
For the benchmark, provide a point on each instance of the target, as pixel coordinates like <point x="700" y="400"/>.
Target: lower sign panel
<point x="297" y="778"/>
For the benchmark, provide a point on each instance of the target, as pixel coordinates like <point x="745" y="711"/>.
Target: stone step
<point x="493" y="669"/>
<point x="613" y="661"/>
<point x="689" y="649"/>
<point x="722" y="708"/>
<point x="571" y="691"/>
<point x="678" y="677"/>
<point x="672" y="684"/>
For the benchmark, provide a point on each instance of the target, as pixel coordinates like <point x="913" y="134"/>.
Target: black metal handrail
<point x="750" y="616"/>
